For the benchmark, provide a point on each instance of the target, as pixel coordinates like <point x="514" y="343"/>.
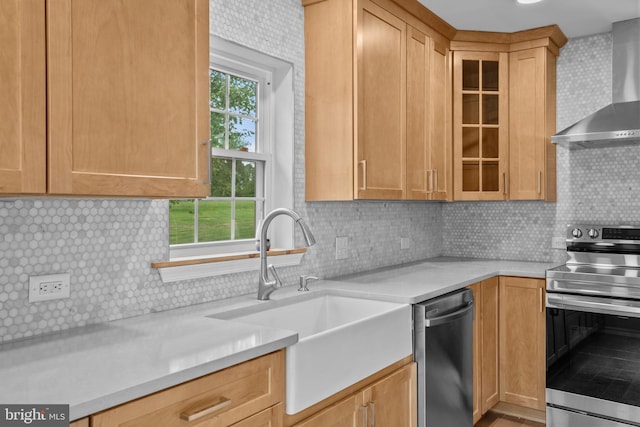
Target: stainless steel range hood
<point x="617" y="123"/>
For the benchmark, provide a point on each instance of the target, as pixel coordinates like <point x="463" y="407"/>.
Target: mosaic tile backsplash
<point x="107" y="245"/>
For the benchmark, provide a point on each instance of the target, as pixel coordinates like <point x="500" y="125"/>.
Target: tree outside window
<point x="237" y="195"/>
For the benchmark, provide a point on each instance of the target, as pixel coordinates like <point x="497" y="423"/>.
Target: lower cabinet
<point x="250" y="394"/>
<point x="522" y="342"/>
<point x="390" y="401"/>
<point x="485" y="346"/>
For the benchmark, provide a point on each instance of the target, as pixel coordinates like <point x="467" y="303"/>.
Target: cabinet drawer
<point x="219" y="399"/>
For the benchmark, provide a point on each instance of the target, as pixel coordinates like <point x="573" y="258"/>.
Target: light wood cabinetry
<point x="126" y="98"/>
<point x="504" y="114"/>
<point x="376" y="108"/>
<point x="390" y="401"/>
<point x="250" y="394"/>
<point x="428" y="124"/>
<point x="485" y="347"/>
<point x="522" y="342"/>
<point x="532" y="117"/>
<point x="480" y="121"/>
<point x="23" y="94"/>
<point x="83" y="422"/>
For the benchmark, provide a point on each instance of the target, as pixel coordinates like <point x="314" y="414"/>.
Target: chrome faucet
<point x="266" y="286"/>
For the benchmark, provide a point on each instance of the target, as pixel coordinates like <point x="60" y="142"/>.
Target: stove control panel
<point x="598" y="233"/>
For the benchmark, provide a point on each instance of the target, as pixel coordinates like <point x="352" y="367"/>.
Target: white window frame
<point x="276" y="134"/>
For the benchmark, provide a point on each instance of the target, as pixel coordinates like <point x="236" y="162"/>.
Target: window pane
<point x="180" y="221"/>
<point x="470" y="75"/>
<point x="490" y="176"/>
<point x="245" y="179"/>
<point x="242" y="96"/>
<point x="490" y="109"/>
<point x="218" y="89"/>
<point x="470" y="142"/>
<point x="217" y="130"/>
<point x="214" y="220"/>
<point x="242" y="134"/>
<point x="245" y="219"/>
<point x="470" y="109"/>
<point x="490" y="76"/>
<point x="221" y="178"/>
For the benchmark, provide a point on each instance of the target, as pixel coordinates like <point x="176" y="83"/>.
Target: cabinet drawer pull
<point x="205" y="409"/>
<point x="364" y="174"/>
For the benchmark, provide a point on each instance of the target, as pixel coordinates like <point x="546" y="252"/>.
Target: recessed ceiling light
<point x="528" y="1"/>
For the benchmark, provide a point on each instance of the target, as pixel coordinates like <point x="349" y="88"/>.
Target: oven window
<point x="592" y="354"/>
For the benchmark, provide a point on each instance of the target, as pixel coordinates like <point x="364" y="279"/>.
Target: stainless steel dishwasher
<point x="443" y="350"/>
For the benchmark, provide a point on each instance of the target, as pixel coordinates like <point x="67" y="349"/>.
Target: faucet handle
<point x="303" y="282"/>
<point x="276" y="277"/>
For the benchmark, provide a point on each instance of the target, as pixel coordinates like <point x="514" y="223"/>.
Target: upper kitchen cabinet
<point x="376" y="102"/>
<point x="23" y="93"/>
<point x="480" y="120"/>
<point x="429" y="172"/>
<point x="504" y="114"/>
<point x="126" y="98"/>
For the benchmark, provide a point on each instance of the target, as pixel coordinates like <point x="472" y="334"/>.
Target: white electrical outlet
<point x="49" y="287"/>
<point x="558" y="243"/>
<point x="405" y="243"/>
<point x="342" y="247"/>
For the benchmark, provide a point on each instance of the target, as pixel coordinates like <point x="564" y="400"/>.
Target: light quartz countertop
<point x="96" y="367"/>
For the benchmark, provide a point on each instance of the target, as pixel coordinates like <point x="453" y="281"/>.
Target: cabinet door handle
<point x="429" y="175"/>
<point x="364" y="174"/>
<point x="506" y="184"/>
<point x="365" y="415"/>
<point x="541" y="301"/>
<point x="208" y="144"/>
<point x="372" y="406"/>
<point x="539" y="182"/>
<point x="205" y="409"/>
<point x="435" y="180"/>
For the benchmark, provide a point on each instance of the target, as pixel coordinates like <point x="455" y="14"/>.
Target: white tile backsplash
<point x="107" y="245"/>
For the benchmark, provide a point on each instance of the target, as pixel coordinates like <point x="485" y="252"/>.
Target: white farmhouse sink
<point x="341" y="341"/>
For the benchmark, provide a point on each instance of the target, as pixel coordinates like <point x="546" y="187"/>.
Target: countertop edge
<point x="144" y="389"/>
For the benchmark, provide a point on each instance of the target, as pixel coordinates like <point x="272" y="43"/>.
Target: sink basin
<point x="341" y="341"/>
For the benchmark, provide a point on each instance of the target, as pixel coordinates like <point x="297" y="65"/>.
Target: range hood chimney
<point x="617" y="123"/>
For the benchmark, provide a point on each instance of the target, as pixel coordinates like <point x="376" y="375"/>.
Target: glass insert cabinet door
<point x="480" y="125"/>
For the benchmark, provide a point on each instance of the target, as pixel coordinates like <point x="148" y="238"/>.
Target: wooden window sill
<point x="214" y="265"/>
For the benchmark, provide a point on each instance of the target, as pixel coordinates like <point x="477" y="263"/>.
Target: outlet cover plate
<point x="49" y="287"/>
<point x="342" y="247"/>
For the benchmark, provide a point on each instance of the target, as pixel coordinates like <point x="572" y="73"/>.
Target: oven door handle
<point x="594" y="304"/>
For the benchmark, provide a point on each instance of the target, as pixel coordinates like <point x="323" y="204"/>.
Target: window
<point x="251" y="98"/>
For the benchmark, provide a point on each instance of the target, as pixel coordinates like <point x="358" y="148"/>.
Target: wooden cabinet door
<point x="128" y="97"/>
<point x="381" y="108"/>
<point x="480" y="125"/>
<point x="531" y="124"/>
<point x="522" y="342"/>
<point x="348" y="412"/>
<point x="489" y="317"/>
<point x="271" y="417"/>
<point x="23" y="97"/>
<point x="440" y="146"/>
<point x="392" y="401"/>
<point x="477" y="352"/>
<point x="485" y="347"/>
<point x="419" y="173"/>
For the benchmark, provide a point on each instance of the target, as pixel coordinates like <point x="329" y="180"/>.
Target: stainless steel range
<point x="593" y="329"/>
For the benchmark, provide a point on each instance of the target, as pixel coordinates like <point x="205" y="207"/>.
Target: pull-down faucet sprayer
<point x="266" y="286"/>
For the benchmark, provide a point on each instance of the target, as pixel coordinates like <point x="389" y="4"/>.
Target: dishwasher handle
<point x="435" y="321"/>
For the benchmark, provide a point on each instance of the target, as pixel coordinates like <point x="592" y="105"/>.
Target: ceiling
<point x="576" y="18"/>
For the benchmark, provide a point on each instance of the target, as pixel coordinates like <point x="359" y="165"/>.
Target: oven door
<point x="593" y="361"/>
